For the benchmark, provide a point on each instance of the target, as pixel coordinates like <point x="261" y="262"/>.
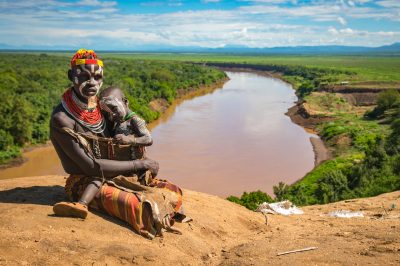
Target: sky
<point x="138" y="25"/>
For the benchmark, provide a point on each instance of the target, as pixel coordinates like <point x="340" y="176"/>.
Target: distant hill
<point x="393" y="49"/>
<point x="306" y="50"/>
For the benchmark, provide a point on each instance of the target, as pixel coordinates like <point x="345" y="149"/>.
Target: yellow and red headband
<point x="85" y="57"/>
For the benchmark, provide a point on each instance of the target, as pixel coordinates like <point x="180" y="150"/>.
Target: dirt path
<point x="221" y="233"/>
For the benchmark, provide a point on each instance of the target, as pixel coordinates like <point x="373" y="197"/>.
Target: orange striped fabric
<point x="122" y="205"/>
<point x="160" y="183"/>
<point x="117" y="203"/>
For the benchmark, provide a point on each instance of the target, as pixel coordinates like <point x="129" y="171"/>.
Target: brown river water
<point x="231" y="140"/>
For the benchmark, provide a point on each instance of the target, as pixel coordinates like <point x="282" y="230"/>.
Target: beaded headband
<point x="85" y="57"/>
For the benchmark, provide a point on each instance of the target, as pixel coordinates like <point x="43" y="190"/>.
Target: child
<point x="128" y="127"/>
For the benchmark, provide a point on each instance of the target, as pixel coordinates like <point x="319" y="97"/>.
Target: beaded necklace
<point x="91" y="119"/>
<point x="129" y="116"/>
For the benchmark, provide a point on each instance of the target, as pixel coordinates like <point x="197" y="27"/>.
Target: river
<point x="231" y="140"/>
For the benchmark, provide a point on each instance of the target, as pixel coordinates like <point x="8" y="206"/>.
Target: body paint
<point x="114" y="107"/>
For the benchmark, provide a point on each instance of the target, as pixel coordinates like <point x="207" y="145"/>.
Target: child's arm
<point x="125" y="139"/>
<point x="143" y="136"/>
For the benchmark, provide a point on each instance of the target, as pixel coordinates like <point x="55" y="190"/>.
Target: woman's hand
<point x="146" y="164"/>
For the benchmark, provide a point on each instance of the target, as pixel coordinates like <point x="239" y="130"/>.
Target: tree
<point x="251" y="200"/>
<point x="306" y="88"/>
<point x="280" y="191"/>
<point x="22" y="121"/>
<point x="387" y="99"/>
<point x="332" y="187"/>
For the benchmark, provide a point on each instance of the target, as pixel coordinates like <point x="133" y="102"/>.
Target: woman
<point x="79" y="115"/>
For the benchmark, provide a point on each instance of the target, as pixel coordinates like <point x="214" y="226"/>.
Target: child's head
<point x="114" y="103"/>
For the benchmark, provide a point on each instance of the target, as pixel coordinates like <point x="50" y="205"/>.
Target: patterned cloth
<point x="164" y="200"/>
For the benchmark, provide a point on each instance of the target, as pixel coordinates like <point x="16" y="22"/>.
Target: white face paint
<point x="88" y="80"/>
<point x="114" y="106"/>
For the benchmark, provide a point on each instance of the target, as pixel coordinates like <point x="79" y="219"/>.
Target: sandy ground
<point x="221" y="233"/>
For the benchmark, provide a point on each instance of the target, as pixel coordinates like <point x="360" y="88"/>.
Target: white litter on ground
<point x="283" y="208"/>
<point x="345" y="214"/>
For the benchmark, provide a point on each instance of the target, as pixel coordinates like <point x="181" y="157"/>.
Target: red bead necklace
<point x="88" y="116"/>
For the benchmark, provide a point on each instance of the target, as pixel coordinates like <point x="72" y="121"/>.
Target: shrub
<point x="251" y="200"/>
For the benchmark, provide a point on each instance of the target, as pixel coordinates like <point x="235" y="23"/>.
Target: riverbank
<point x="300" y="117"/>
<point x="222" y="233"/>
<point x="166" y="109"/>
<point x="296" y="113"/>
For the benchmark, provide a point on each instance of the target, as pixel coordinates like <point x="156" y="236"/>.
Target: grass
<point x="374" y="69"/>
<point x="377" y="70"/>
<point x="327" y="104"/>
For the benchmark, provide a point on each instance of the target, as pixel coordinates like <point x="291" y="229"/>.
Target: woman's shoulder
<point x="60" y="118"/>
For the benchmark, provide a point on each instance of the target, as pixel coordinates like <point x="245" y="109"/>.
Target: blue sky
<point x="135" y="24"/>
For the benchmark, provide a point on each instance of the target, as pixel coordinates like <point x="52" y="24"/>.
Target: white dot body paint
<point x="78" y="71"/>
<point x="76" y="81"/>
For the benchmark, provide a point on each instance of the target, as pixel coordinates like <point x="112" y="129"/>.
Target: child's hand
<point x="122" y="139"/>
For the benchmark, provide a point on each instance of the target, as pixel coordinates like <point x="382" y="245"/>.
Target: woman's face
<point x="87" y="80"/>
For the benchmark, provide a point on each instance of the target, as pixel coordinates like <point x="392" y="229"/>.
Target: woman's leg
<point x="79" y="209"/>
<point x="90" y="192"/>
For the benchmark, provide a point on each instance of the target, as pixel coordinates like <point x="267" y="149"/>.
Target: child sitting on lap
<point x="128" y="127"/>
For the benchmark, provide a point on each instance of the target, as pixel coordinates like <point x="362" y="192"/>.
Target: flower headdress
<point x="85" y="57"/>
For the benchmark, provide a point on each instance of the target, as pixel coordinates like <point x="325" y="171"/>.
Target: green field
<point x="360" y="68"/>
<point x="376" y="69"/>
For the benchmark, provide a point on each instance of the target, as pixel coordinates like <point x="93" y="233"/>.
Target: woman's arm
<point x="89" y="166"/>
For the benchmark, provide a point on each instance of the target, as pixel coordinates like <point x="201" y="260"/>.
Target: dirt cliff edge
<point x="221" y="233"/>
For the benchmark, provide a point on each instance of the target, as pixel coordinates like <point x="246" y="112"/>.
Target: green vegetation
<point x="360" y="71"/>
<point x="251" y="200"/>
<point x="32" y="85"/>
<point x="365" y="142"/>
<point x="386" y="103"/>
<point x="366" y="153"/>
<point x="367" y="156"/>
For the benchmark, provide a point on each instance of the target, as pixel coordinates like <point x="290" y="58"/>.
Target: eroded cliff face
<point x="221" y="233"/>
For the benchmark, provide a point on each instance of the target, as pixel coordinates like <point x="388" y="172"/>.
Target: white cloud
<point x="351" y="3"/>
<point x="96" y="3"/>
<point x="342" y="21"/>
<point x="270" y="1"/>
<point x="346" y="31"/>
<point x="389" y="3"/>
<point x="175" y="3"/>
<point x="54" y="23"/>
<point x="333" y="31"/>
<point x="105" y="10"/>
